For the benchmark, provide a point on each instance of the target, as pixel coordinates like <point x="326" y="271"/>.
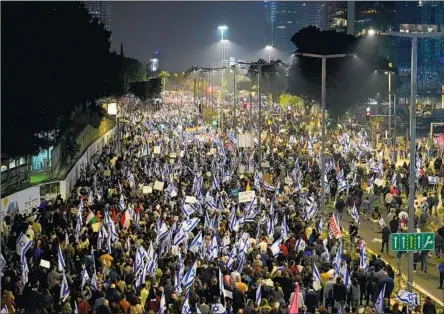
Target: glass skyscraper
<point x="101" y="10"/>
<point x="430" y="50"/>
<point x="286" y="18"/>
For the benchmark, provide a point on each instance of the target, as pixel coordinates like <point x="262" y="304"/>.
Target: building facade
<point x="427" y="14"/>
<point x="284" y="19"/>
<point x="101" y="10"/>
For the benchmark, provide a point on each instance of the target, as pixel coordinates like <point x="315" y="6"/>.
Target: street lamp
<point x="323" y="103"/>
<point x="389" y="73"/>
<point x="412" y="175"/>
<point x="222" y="40"/>
<point x="371" y="32"/>
<point x="269" y="48"/>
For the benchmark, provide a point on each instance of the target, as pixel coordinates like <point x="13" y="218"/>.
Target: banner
<point x="23" y="201"/>
<point x="245" y="197"/>
<point x="334" y="227"/>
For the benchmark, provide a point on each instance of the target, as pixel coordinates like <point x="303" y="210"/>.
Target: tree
<point x="349" y="79"/>
<point x="67" y="54"/>
<point x="135" y="71"/>
<point x="293" y="101"/>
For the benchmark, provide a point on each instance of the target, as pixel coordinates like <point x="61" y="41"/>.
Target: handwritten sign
<point x="247" y="196"/>
<point x="190" y="200"/>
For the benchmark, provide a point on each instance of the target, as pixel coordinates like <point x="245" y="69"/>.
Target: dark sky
<point x="186" y="34"/>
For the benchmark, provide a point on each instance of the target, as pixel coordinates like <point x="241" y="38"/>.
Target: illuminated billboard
<point x="154" y="64"/>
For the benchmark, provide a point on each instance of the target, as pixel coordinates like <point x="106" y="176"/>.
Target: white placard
<point x="247" y="196"/>
<point x="158" y="185"/>
<point x="156" y="150"/>
<point x="182" y="154"/>
<point x="245" y="140"/>
<point x="45" y="263"/>
<point x="378" y="182"/>
<point x="265" y="164"/>
<point x="173" y="155"/>
<point x="146" y="189"/>
<point x="241" y="169"/>
<point x="190" y="200"/>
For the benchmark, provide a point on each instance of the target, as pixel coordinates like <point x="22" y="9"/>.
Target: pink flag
<point x="294" y="308"/>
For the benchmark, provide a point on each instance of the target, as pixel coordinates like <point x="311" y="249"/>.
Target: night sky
<point x="186" y="34"/>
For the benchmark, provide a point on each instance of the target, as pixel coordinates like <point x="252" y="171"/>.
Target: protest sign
<point x="158" y="185"/>
<point x="245" y="197"/>
<point x="190" y="200"/>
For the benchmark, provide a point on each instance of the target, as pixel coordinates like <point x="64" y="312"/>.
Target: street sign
<point x="424" y="241"/>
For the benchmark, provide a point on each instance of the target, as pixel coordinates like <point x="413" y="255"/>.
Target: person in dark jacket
<point x="428" y="307"/>
<point x="339" y="293"/>
<point x="385" y="238"/>
<point x="311" y="300"/>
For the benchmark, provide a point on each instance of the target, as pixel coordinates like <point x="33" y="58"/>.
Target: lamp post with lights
<point x="412" y="175"/>
<point x="323" y="104"/>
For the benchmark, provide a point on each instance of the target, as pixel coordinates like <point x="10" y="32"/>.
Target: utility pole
<point x="323" y="104"/>
<point x="234" y="100"/>
<point x="412" y="175"/>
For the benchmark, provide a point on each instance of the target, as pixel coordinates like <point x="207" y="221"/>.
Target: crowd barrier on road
<point x="24" y="200"/>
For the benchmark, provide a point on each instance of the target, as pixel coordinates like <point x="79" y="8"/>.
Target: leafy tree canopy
<point x="66" y="53"/>
<point x="349" y="79"/>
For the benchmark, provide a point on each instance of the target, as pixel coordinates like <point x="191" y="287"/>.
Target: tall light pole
<point x="269" y="48"/>
<point x="392" y="132"/>
<point x="323" y="104"/>
<point x="222" y="29"/>
<point x="412" y="174"/>
<point x="234" y="100"/>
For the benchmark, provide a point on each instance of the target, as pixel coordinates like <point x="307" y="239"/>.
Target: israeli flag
<point x="300" y="245"/>
<point x="363" y="260"/>
<point x="25" y="271"/>
<point x="64" y="288"/>
<point x="343" y="185"/>
<point x="340" y="176"/>
<point x="270" y="227"/>
<point x="85" y="278"/>
<point x="345" y="274"/>
<point x="162" y="306"/>
<point x="407" y="297"/>
<point x="311" y="211"/>
<point x="379" y="304"/>
<point x="284" y="229"/>
<point x="122" y="203"/>
<point x="259" y="294"/>
<point x="232" y="257"/>
<point x="189" y="277"/>
<point x="394" y="179"/>
<point x="196" y="243"/>
<point x="186" y="309"/>
<point x="213" y="249"/>
<point x="2" y="263"/>
<point x="276" y="247"/>
<point x="22" y="246"/>
<point x="320" y="225"/>
<point x="269" y="187"/>
<point x="189" y="224"/>
<point x="218" y="308"/>
<point x="188" y="209"/>
<point x="337" y="262"/>
<point x="316" y="278"/>
<point x="61" y="260"/>
<point x="180" y="236"/>
<point x="232" y="224"/>
<point x="216" y="183"/>
<point x="232" y="137"/>
<point x="162" y="232"/>
<point x="355" y="214"/>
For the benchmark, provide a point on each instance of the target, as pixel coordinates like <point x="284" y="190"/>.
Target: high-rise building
<point x="101" y="10"/>
<point x="284" y="19"/>
<point x="427" y="15"/>
<point x="338" y="16"/>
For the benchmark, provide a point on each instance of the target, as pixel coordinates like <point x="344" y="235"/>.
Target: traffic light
<point x="367" y="114"/>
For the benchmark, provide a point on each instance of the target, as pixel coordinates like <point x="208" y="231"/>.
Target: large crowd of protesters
<point x="175" y="217"/>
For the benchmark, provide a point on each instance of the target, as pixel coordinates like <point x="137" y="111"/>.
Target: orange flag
<point x="248" y="188"/>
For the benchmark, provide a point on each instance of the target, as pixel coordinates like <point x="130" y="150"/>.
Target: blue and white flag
<point x="320" y="225"/>
<point x="196" y="243"/>
<point x="269" y="187"/>
<point x="85" y="278"/>
<point x="232" y="224"/>
<point x="22" y="246"/>
<point x="188" y="209"/>
<point x="232" y="137"/>
<point x="232" y="257"/>
<point x="94" y="280"/>
<point x="345" y="274"/>
<point x="216" y="183"/>
<point x="189" y="277"/>
<point x="337" y="261"/>
<point x="189" y="224"/>
<point x="284" y="229"/>
<point x="363" y="260"/>
<point x="2" y="264"/>
<point x="186" y="309"/>
<point x="394" y="179"/>
<point x="355" y="214"/>
<point x="180" y="236"/>
<point x="259" y="294"/>
<point x="64" y="288"/>
<point x="379" y="304"/>
<point x="213" y="249"/>
<point x="61" y="260"/>
<point x="25" y="271"/>
<point x="410" y="298"/>
<point x="316" y="278"/>
<point x="162" y="306"/>
<point x="300" y="245"/>
<point x="276" y="247"/>
<point x="270" y="227"/>
<point x="122" y="203"/>
<point x="218" y="308"/>
<point x="342" y="186"/>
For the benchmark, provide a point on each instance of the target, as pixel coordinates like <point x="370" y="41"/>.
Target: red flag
<point x="294" y="308"/>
